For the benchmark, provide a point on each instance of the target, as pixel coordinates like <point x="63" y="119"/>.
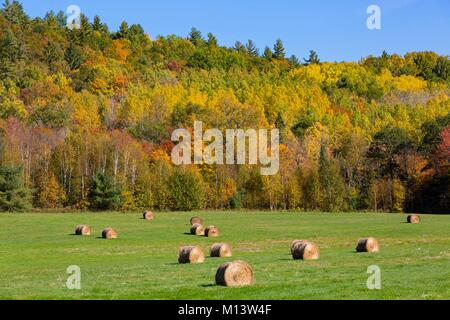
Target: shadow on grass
<point x="209" y="285"/>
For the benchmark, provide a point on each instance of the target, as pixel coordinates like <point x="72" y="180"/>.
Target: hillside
<point x="86" y="117"/>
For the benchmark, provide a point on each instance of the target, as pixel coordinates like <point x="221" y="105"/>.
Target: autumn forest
<point x="86" y="117"/>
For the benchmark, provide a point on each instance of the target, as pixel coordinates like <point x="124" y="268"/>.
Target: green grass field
<point x="36" y="249"/>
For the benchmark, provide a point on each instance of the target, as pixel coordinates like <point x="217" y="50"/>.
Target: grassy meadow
<point x="36" y="249"/>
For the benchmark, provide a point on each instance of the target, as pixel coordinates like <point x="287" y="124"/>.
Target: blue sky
<point x="335" y="29"/>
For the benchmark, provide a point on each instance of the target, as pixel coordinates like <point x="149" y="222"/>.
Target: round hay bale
<point x="305" y="250"/>
<point x="212" y="232"/>
<point x="197" y="230"/>
<point x="109" y="233"/>
<point x="295" y="242"/>
<point x="191" y="254"/>
<point x="367" y="245"/>
<point x="148" y="215"/>
<point x="196" y="220"/>
<point x="234" y="274"/>
<point x="413" y="218"/>
<point x="220" y="250"/>
<point x="83" y="230"/>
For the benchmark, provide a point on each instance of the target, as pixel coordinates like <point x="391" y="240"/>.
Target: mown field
<point x="36" y="249"/>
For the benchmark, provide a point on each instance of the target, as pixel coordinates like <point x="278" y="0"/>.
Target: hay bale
<point x="367" y="245"/>
<point x="305" y="250"/>
<point x="83" y="230"/>
<point x="220" y="250"/>
<point x="212" y="232"/>
<point x="413" y="218"/>
<point x="295" y="242"/>
<point x="148" y="215"/>
<point x="196" y="220"/>
<point x="198" y="230"/>
<point x="191" y="254"/>
<point x="233" y="274"/>
<point x="109" y="233"/>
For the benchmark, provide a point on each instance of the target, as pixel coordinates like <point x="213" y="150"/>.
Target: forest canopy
<point x="86" y="117"/>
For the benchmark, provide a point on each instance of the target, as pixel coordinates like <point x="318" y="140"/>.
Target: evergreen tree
<point x="136" y="35"/>
<point x="294" y="61"/>
<point x="73" y="57"/>
<point x="212" y="40"/>
<point x="52" y="54"/>
<point x="268" y="54"/>
<point x="278" y="50"/>
<point x="105" y="193"/>
<point x="239" y="47"/>
<point x="252" y="49"/>
<point x="13" y="12"/>
<point x="312" y="59"/>
<point x="61" y="18"/>
<point x="123" y="31"/>
<point x="442" y="68"/>
<point x="10" y="53"/>
<point x="85" y="29"/>
<point x="9" y="47"/>
<point x="97" y="25"/>
<point x="195" y="36"/>
<point x="14" y="196"/>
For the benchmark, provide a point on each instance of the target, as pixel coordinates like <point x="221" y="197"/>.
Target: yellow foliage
<point x="332" y="72"/>
<point x="409" y="83"/>
<point x="86" y="110"/>
<point x="310" y="73"/>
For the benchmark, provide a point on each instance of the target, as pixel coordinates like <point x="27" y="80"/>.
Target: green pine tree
<point x="9" y="46"/>
<point x="268" y="54"/>
<point x="61" y="18"/>
<point x="195" y="36"/>
<point x="313" y="58"/>
<point x="106" y="194"/>
<point x="52" y="54"/>
<point x="73" y="57"/>
<point x="13" y="12"/>
<point x="212" y="40"/>
<point x="123" y="31"/>
<point x="14" y="196"/>
<point x="294" y="62"/>
<point x="252" y="49"/>
<point x="278" y="50"/>
<point x="239" y="47"/>
<point x="85" y="30"/>
<point x="97" y="25"/>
